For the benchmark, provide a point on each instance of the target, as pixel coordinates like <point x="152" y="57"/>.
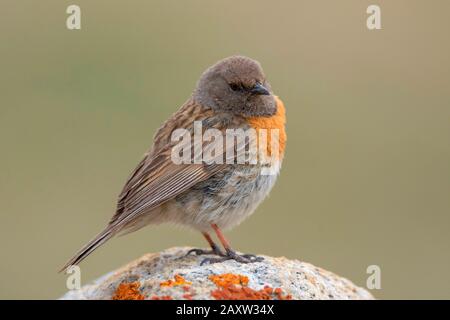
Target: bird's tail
<point x="100" y="239"/>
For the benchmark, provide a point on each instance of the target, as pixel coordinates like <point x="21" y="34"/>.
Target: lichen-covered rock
<point x="173" y="275"/>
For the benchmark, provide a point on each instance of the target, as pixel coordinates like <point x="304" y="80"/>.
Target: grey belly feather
<point x="226" y="199"/>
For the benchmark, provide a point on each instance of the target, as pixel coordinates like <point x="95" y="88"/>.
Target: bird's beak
<point x="259" y="89"/>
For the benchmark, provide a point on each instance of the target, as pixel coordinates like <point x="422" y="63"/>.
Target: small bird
<point x="208" y="197"/>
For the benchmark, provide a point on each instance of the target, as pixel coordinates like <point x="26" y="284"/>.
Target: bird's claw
<point x="232" y="255"/>
<point x="198" y="252"/>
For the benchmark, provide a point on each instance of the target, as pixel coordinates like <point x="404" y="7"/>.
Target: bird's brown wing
<point x="155" y="182"/>
<point x="157" y="179"/>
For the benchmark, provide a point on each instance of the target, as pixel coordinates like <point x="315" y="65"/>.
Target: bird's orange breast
<point x="277" y="121"/>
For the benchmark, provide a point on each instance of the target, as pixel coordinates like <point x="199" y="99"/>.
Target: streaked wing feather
<point x="156" y="181"/>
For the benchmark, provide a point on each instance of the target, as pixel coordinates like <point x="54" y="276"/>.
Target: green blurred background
<point x="366" y="179"/>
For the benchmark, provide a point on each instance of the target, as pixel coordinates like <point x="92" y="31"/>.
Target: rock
<point x="172" y="275"/>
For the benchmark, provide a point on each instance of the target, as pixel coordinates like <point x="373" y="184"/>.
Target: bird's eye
<point x="235" y="87"/>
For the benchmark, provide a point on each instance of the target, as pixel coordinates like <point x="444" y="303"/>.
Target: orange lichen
<point x="226" y="279"/>
<point x="128" y="291"/>
<point x="234" y="287"/>
<point x="161" y="298"/>
<point x="233" y="292"/>
<point x="280" y="296"/>
<point x="188" y="296"/>
<point x="178" y="281"/>
<point x="189" y="292"/>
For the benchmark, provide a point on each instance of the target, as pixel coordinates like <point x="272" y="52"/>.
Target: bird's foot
<point x="213" y="251"/>
<point x="232" y="255"/>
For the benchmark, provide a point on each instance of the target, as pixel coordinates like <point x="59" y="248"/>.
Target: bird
<point x="211" y="197"/>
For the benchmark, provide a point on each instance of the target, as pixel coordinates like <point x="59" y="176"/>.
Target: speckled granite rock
<point x="172" y="275"/>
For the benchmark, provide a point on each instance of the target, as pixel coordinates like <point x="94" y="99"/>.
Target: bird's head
<point x="236" y="84"/>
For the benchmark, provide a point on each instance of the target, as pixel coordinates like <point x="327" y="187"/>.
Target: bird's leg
<point x="214" y="247"/>
<point x="230" y="253"/>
